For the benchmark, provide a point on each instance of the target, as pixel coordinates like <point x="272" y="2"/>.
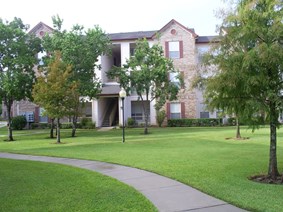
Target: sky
<point x="115" y="16"/>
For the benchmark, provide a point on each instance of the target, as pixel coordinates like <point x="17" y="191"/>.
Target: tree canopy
<point x="17" y="58"/>
<point x="55" y="92"/>
<point x="81" y="49"/>
<point x="249" y="59"/>
<point x="147" y="73"/>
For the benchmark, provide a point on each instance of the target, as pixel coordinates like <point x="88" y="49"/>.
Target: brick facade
<point x="186" y="64"/>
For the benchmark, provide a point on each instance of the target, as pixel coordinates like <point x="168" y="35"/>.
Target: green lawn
<point x="37" y="186"/>
<point x="200" y="157"/>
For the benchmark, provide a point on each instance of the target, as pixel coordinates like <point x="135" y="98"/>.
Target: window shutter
<point x="36" y="114"/>
<point x="166" y="49"/>
<point x="182" y="110"/>
<point x="181" y="48"/>
<point x="182" y="75"/>
<point x="168" y="110"/>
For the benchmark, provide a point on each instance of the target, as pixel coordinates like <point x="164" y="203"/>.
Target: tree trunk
<point x="146" y="124"/>
<point x="273" y="170"/>
<point x="145" y="113"/>
<point x="74" y="125"/>
<point x="52" y="128"/>
<point x="10" y="131"/>
<point x="238" y="133"/>
<point x="58" y="130"/>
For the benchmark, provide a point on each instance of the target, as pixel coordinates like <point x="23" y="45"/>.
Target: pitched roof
<point x="38" y="26"/>
<point x="207" y="39"/>
<point x="173" y="21"/>
<point x="141" y="34"/>
<point x="147" y="34"/>
<point x="131" y="35"/>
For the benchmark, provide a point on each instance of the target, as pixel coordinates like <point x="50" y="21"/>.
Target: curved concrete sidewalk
<point x="164" y="193"/>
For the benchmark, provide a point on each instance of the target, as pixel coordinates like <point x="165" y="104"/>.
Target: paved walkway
<point x="166" y="194"/>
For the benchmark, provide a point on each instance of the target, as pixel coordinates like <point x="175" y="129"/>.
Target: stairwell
<point x="105" y="122"/>
<point x="109" y="117"/>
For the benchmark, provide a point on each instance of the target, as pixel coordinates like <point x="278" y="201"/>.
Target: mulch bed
<point x="267" y="179"/>
<point x="240" y="139"/>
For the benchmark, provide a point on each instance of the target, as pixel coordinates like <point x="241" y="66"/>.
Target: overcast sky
<point x="117" y="15"/>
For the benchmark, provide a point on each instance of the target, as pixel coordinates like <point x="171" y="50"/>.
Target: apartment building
<point x="180" y="43"/>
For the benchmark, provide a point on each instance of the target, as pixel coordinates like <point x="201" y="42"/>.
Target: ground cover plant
<point x="200" y="157"/>
<point x="38" y="186"/>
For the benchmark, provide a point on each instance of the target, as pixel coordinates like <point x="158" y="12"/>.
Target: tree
<point x="147" y="73"/>
<point x="80" y="49"/>
<point x="55" y="92"/>
<point x="250" y="59"/>
<point x="220" y="86"/>
<point x="17" y="59"/>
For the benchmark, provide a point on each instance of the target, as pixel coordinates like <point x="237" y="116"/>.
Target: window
<point x="40" y="56"/>
<point x="173" y="77"/>
<point x="204" y="115"/>
<point x="132" y="49"/>
<point x="137" y="111"/>
<point x="175" y="110"/>
<point x="201" y="50"/>
<point x="174" y="49"/>
<point x="177" y="78"/>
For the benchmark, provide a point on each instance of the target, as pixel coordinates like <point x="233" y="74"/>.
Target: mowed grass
<point x="38" y="186"/>
<point x="200" y="157"/>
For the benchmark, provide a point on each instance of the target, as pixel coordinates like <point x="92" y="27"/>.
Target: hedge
<point x="194" y="122"/>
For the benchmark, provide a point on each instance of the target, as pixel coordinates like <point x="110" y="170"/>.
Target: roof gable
<point x="41" y="26"/>
<point x="173" y="21"/>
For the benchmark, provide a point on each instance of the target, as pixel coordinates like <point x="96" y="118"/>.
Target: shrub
<point x="66" y="125"/>
<point x="89" y="125"/>
<point x="231" y="121"/>
<point x="18" y="122"/>
<point x="39" y="125"/>
<point x="86" y="123"/>
<point x="44" y="125"/>
<point x="160" y="117"/>
<point x="252" y="121"/>
<point x="130" y="122"/>
<point x="193" y="122"/>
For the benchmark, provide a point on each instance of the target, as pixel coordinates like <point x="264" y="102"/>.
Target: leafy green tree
<point x="55" y="92"/>
<point x="250" y="59"/>
<point x="80" y="49"/>
<point x="147" y="73"/>
<point x="17" y="59"/>
<point x="219" y="87"/>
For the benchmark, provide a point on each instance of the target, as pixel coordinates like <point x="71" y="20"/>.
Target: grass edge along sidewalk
<point x="37" y="186"/>
<point x="164" y="193"/>
<point x="199" y="157"/>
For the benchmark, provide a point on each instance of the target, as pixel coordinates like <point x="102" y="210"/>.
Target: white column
<point x="152" y="113"/>
<point x="97" y="71"/>
<point x="125" y="52"/>
<point x="94" y="112"/>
